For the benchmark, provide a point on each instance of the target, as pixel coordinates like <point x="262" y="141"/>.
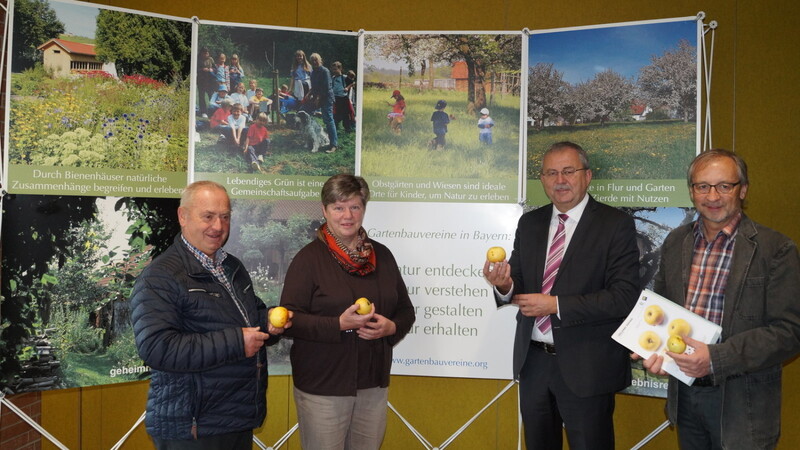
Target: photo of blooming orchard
<point x="94" y="88"/>
<point x="263" y="103"/>
<point x="627" y="94"/>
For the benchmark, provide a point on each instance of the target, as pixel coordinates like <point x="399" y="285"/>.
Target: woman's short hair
<point x="342" y="187"/>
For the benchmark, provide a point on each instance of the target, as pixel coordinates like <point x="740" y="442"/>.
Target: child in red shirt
<point x="257" y="143"/>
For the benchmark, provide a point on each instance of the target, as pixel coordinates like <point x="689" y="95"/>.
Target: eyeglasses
<point x="721" y="188"/>
<point x="567" y="172"/>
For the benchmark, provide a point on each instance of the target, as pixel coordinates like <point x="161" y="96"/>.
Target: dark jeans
<point x="241" y="440"/>
<point x="699" y="417"/>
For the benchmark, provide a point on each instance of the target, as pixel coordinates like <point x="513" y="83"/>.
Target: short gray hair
<point x="189" y="191"/>
<point x="558" y="146"/>
<point x="707" y="156"/>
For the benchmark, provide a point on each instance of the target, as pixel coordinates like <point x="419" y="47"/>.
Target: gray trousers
<point x="342" y="423"/>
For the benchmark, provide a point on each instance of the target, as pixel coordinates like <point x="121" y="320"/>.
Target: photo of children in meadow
<point x="410" y="78"/>
<point x="97" y="88"/>
<point x="296" y="80"/>
<point x="627" y="94"/>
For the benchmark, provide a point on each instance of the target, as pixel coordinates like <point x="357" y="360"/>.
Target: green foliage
<point x="255" y="47"/>
<point x="122" y="352"/>
<point x="138" y="44"/>
<point x="76" y="148"/>
<point x="71" y="332"/>
<point x="35" y="22"/>
<point x="638" y="150"/>
<point x="273" y="237"/>
<point x="32" y="81"/>
<point x="407" y="154"/>
<point x="74" y="277"/>
<point x="98" y="122"/>
<point x="658" y="114"/>
<point x="289" y="155"/>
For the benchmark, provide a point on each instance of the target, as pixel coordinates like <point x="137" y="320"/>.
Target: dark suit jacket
<point x="597" y="285"/>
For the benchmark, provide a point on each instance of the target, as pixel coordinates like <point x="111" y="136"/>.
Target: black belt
<point x="705" y="381"/>
<point x="550" y="349"/>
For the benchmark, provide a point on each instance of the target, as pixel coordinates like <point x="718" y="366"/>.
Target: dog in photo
<point x="313" y="134"/>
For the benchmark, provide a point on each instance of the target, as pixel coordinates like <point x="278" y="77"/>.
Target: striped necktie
<point x="554" y="257"/>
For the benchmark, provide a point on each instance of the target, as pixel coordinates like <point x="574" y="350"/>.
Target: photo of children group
<point x="275" y="102"/>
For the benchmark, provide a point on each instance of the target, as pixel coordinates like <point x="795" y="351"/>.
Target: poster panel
<point x="441" y="249"/>
<point x="69" y="263"/>
<point x="424" y="137"/>
<point x="98" y="101"/>
<point x="627" y="93"/>
<point x="305" y="136"/>
<point x="652" y="227"/>
<point x="265" y="235"/>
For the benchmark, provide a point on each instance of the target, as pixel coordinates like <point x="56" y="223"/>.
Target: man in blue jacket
<point x="201" y="329"/>
<point x="745" y="277"/>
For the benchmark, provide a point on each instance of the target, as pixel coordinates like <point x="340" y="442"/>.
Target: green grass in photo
<point x="290" y="156"/>
<point x="385" y="154"/>
<point x="631" y="150"/>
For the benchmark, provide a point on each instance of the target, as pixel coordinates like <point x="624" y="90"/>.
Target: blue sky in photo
<point x="580" y="54"/>
<point x="77" y="19"/>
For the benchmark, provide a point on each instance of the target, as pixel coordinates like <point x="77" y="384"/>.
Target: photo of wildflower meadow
<point x="425" y="96"/>
<point x="627" y="94"/>
<point x="260" y="111"/>
<point x="95" y="89"/>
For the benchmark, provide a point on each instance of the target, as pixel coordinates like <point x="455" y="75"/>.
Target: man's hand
<point x="253" y="340"/>
<point x="535" y="305"/>
<point x="499" y="275"/>
<point x="652" y="364"/>
<point x="380" y="327"/>
<point x="696" y="365"/>
<point x="351" y="320"/>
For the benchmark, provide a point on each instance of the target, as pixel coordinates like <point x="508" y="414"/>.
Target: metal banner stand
<point x="425" y="443"/>
<point x="29" y="421"/>
<point x="707" y="67"/>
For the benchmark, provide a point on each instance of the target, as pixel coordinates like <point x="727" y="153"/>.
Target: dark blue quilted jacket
<point x="188" y="331"/>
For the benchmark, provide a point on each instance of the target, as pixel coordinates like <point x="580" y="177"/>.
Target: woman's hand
<point x="378" y="328"/>
<point x="351" y="320"/>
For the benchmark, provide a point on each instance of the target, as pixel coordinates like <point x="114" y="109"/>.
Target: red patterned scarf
<point x="360" y="261"/>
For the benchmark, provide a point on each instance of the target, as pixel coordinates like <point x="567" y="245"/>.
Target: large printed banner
<point x="261" y="70"/>
<point x="459" y="331"/>
<point x="108" y="122"/>
<point x="628" y="93"/>
<point x="425" y="134"/>
<point x="98" y="101"/>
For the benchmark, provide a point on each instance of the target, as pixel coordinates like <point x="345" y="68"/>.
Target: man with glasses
<point x="746" y="278"/>
<point x="574" y="274"/>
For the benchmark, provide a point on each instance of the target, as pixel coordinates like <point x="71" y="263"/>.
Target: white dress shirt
<point x="569" y="229"/>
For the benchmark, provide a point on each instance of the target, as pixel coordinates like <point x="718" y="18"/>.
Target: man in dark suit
<point x="574" y="274"/>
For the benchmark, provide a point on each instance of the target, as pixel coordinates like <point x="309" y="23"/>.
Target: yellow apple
<point x="649" y="341"/>
<point x="278" y="316"/>
<point x="679" y="327"/>
<point x="675" y="344"/>
<point x="653" y="315"/>
<point x="364" y="306"/>
<point x="496" y="254"/>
